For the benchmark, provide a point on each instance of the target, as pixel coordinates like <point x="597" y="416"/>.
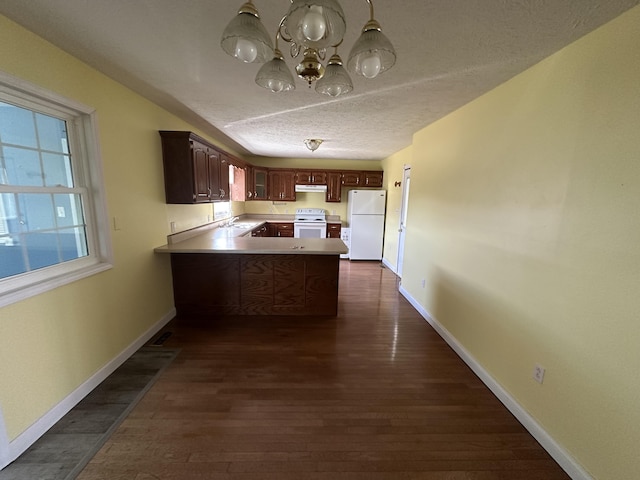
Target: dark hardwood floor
<point x="372" y="394"/>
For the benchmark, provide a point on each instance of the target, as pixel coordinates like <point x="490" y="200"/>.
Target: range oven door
<point x="310" y="230"/>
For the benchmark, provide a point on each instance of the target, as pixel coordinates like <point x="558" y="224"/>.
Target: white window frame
<point x="83" y="140"/>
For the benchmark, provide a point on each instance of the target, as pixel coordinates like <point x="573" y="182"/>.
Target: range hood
<point x="311" y="188"/>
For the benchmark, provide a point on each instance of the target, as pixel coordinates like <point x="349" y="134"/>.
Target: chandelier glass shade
<point x="245" y="38"/>
<point x="372" y="53"/>
<point x="336" y="80"/>
<point x="310" y="27"/>
<point x="315" y="24"/>
<point x="275" y="75"/>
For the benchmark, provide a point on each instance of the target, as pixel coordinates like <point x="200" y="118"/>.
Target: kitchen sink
<point x="242" y="225"/>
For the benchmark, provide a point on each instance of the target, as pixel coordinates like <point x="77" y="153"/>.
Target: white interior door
<point x="406" y="184"/>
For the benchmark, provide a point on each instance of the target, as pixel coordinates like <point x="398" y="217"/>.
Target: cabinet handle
<point x="209" y="190"/>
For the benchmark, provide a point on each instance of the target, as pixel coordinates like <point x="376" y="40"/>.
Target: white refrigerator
<point x="365" y="216"/>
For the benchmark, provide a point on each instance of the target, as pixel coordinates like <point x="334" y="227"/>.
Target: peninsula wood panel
<point x="255" y="284"/>
<point x="202" y="284"/>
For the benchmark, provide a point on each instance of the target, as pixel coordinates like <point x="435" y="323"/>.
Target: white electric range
<point x="310" y="223"/>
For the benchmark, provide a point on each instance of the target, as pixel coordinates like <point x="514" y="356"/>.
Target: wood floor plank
<point x="373" y="394"/>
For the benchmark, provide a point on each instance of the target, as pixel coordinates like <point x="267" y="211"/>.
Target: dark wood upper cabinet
<point x="260" y="186"/>
<point x="372" y="178"/>
<point x="224" y="187"/>
<point x="334" y="187"/>
<point x="352" y="178"/>
<point x="282" y="185"/>
<point x="311" y="177"/>
<point x="367" y="178"/>
<point x="194" y="170"/>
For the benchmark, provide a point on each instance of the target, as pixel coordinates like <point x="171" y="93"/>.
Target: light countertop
<point x="212" y="242"/>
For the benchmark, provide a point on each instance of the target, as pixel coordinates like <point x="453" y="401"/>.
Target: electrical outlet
<point x="538" y="373"/>
<point x="423" y="283"/>
<point x="173" y="227"/>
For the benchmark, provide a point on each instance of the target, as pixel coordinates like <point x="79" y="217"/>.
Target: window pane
<point x="73" y="243"/>
<point x="68" y="209"/>
<point x="22" y="167"/>
<point x="8" y="213"/>
<point x="42" y="249"/>
<point x="11" y="259"/>
<point x="37" y="211"/>
<point x="17" y="126"/>
<point x="57" y="170"/>
<point x="52" y="133"/>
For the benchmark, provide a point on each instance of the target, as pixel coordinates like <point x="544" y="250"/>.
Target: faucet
<point x="231" y="222"/>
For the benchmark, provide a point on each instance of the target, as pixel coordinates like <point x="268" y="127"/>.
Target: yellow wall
<point x="393" y="167"/>
<point x="524" y="222"/>
<point x="52" y="343"/>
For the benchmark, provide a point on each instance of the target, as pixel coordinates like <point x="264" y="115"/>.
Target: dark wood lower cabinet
<point x="255" y="284"/>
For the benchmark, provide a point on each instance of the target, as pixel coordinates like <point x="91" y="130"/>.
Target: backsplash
<point x="303" y="200"/>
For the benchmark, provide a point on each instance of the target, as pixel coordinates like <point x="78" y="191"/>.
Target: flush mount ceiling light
<point x="310" y="27"/>
<point x="312" y="143"/>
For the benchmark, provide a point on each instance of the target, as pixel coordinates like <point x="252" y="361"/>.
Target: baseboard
<point x="5" y="455"/>
<point x="388" y="265"/>
<point x="9" y="451"/>
<point x="559" y="454"/>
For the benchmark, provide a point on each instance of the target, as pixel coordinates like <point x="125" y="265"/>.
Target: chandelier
<point x="310" y="27"/>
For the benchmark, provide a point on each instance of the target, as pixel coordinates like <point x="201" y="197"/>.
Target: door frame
<point x="402" y="226"/>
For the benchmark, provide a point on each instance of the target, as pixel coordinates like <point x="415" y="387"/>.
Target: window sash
<point x="88" y="186"/>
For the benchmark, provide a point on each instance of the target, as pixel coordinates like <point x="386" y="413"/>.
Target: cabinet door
<point x="282" y="229"/>
<point x="282" y="185"/>
<point x="303" y="177"/>
<point x="213" y="157"/>
<point x="249" y="187"/>
<point x="372" y="179"/>
<point x="319" y="178"/>
<point x="334" y="187"/>
<point x="261" y="231"/>
<point x="288" y="186"/>
<point x="201" y="179"/>
<point x="352" y="179"/>
<point x="260" y="184"/>
<point x="333" y="230"/>
<point x="225" y="194"/>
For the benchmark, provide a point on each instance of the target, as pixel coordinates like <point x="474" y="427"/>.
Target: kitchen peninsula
<point x="222" y="272"/>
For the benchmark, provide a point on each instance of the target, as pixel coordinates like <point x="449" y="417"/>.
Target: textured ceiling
<point x="449" y="52"/>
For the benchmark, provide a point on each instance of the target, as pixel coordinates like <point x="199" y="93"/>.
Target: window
<point x="52" y="222"/>
<point x="221" y="210"/>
